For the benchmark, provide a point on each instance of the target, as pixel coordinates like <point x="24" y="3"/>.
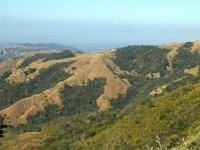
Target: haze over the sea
<point x="99" y="24"/>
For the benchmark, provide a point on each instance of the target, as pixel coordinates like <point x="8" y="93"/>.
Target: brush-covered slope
<point x="165" y="123"/>
<point x="131" y="75"/>
<point x="169" y="122"/>
<point x="37" y="81"/>
<point x="84" y="97"/>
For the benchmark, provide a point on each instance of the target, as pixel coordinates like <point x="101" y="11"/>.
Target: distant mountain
<point x="12" y="50"/>
<point x="135" y="97"/>
<point x="6" y="45"/>
<point x="40" y="46"/>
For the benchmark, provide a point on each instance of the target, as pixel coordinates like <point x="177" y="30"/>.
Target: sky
<point x="99" y="24"/>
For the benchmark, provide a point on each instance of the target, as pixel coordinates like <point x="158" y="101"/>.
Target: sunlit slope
<point x="133" y="72"/>
<point x="84" y="67"/>
<point x="170" y="121"/>
<point x="150" y="94"/>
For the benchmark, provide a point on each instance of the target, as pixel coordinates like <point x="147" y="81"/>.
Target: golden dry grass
<point x="8" y="65"/>
<point x="174" y="51"/>
<point x="22" y="141"/>
<point x="19" y="111"/>
<point x="158" y="91"/>
<point x="196" y="46"/>
<point x="18" y="75"/>
<point x="180" y="79"/>
<point x="26" y="135"/>
<point x="173" y="47"/>
<point x="153" y="75"/>
<point x="193" y="71"/>
<point x="89" y="66"/>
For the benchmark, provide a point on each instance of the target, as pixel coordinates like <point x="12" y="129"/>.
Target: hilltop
<point x="23" y="50"/>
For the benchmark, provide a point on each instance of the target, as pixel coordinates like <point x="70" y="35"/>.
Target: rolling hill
<point x="23" y="50"/>
<point x="135" y="97"/>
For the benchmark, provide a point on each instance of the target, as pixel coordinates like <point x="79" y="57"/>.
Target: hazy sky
<point x="99" y="24"/>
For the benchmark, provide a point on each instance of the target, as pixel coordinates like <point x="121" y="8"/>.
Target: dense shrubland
<point x="142" y="59"/>
<point x="152" y="59"/>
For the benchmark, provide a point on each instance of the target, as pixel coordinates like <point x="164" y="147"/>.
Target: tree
<point x="2" y="126"/>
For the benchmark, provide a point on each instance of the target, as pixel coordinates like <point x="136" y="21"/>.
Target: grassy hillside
<point x="152" y="73"/>
<point x="171" y="121"/>
<point x="47" y="57"/>
<point x="142" y="70"/>
<point x="47" y="78"/>
<point x="39" y="83"/>
<point x="75" y="100"/>
<point x="136" y="97"/>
